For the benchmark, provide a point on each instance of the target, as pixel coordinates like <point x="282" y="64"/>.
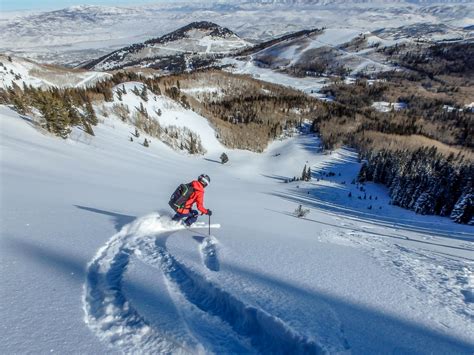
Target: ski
<point x="198" y="225"/>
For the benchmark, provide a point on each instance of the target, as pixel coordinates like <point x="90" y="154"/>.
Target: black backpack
<point x="180" y="196"/>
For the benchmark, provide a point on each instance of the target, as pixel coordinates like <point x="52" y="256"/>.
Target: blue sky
<point x="11" y="5"/>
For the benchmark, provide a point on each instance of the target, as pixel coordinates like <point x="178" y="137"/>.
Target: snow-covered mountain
<point x="23" y="71"/>
<point x="89" y="32"/>
<point x="176" y="51"/>
<point x="342" y="50"/>
<point x="328" y="51"/>
<point x="334" y="50"/>
<point x="351" y="2"/>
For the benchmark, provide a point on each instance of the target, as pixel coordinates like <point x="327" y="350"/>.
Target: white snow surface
<point x="172" y="113"/>
<point x="91" y="262"/>
<point x="23" y="71"/>
<point x="383" y="106"/>
<point x="309" y="85"/>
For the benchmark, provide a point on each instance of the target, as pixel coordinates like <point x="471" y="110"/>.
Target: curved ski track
<point x="114" y="320"/>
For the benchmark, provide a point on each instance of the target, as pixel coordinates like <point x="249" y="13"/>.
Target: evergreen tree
<point x="424" y="204"/>
<point x="144" y="94"/>
<point x="362" y="177"/>
<point x="56" y="117"/>
<point x="19" y="104"/>
<point x="396" y="190"/>
<point x="88" y="128"/>
<point x="303" y="174"/>
<point x="136" y="91"/>
<point x="301" y="212"/>
<point x="464" y="209"/>
<point x="142" y="109"/>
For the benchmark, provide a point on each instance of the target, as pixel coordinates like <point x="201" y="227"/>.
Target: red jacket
<point x="196" y="197"/>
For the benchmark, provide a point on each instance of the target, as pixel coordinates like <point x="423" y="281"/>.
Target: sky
<point x="15" y="5"/>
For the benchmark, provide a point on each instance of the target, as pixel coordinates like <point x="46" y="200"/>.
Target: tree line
<point x="423" y="152"/>
<point x="424" y="181"/>
<point x="64" y="108"/>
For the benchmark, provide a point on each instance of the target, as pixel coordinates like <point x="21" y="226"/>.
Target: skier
<point x="184" y="198"/>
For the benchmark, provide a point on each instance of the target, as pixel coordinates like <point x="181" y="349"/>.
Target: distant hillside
<point x="19" y="70"/>
<point x="189" y="47"/>
<point x="346" y="51"/>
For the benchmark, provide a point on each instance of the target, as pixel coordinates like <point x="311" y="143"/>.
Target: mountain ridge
<point x="177" y="49"/>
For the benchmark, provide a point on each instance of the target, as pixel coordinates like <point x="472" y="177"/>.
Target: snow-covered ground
<point x="23" y="71"/>
<point x="383" y="106"/>
<point x="90" y="262"/>
<point x="309" y="85"/>
<point x="290" y="53"/>
<point x="195" y="40"/>
<point x="171" y="114"/>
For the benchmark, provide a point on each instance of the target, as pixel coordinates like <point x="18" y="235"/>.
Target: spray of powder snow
<point x="107" y="312"/>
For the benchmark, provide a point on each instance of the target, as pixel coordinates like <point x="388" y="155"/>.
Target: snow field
<point x="172" y="114"/>
<point x="308" y="85"/>
<point x="80" y="244"/>
<point x="21" y="71"/>
<point x="107" y="311"/>
<point x="383" y="106"/>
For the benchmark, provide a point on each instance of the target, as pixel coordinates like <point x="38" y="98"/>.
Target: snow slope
<point x="301" y="51"/>
<point x="172" y="114"/>
<point x="293" y="50"/>
<point x="20" y="70"/>
<point x="196" y="39"/>
<point x="90" y="261"/>
<point x="309" y="85"/>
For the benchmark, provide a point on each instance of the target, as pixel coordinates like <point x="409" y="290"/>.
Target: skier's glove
<point x="209" y="212"/>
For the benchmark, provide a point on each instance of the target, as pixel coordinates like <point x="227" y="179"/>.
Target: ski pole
<point x="209" y="226"/>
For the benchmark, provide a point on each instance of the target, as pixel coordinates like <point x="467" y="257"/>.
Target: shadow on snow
<point x="369" y="328"/>
<point x="120" y="220"/>
<point x="308" y="200"/>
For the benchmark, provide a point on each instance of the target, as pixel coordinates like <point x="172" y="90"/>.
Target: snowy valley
<point x="370" y="250"/>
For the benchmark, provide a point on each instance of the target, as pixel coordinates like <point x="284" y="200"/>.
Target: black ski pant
<point x="191" y="217"/>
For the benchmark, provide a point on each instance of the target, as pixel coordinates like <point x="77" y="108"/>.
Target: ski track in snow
<point x="107" y="312"/>
<point x="114" y="320"/>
